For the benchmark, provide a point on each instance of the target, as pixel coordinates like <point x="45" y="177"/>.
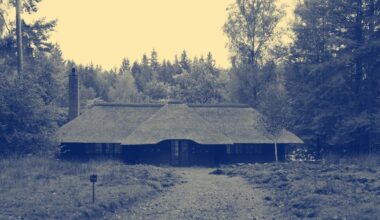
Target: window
<point x="228" y="149"/>
<point x="257" y="149"/>
<point x="249" y="149"/>
<point x="238" y="149"/>
<point x="89" y="148"/>
<point x="109" y="148"/>
<point x="176" y="148"/>
<point x="118" y="149"/>
<point x="174" y="152"/>
<point x="98" y="148"/>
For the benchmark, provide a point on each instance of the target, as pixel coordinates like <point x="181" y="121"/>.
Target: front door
<point x="179" y="153"/>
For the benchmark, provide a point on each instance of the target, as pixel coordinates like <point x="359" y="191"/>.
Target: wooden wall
<point x="176" y="153"/>
<point x="91" y="150"/>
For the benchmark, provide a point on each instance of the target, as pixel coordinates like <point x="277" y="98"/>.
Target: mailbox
<point x="93" y="178"/>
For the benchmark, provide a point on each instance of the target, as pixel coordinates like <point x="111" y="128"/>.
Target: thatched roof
<point x="151" y="123"/>
<point x="242" y="124"/>
<point x="106" y="123"/>
<point x="176" y="122"/>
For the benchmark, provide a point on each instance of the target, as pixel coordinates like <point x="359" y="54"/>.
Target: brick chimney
<point x="73" y="95"/>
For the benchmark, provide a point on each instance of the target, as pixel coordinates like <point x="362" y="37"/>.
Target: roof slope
<point x="108" y="123"/>
<point x="242" y="124"/>
<point x="176" y="121"/>
<point x="136" y="124"/>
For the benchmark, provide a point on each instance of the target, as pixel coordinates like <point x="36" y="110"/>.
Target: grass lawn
<point x="42" y="188"/>
<point x="340" y="189"/>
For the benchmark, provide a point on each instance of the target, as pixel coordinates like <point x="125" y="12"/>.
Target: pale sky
<point x="104" y="32"/>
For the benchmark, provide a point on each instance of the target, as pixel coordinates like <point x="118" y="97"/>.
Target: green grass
<point x="329" y="189"/>
<point x="42" y="188"/>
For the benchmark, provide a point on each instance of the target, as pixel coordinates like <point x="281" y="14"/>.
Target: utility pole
<point x="19" y="37"/>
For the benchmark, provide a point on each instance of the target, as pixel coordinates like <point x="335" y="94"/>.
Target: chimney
<point x="73" y="95"/>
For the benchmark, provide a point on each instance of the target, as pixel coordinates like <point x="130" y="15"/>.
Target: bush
<point x="26" y="121"/>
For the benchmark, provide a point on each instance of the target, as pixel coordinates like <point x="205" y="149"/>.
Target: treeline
<point x="335" y="66"/>
<point x="195" y="80"/>
<point x="324" y="86"/>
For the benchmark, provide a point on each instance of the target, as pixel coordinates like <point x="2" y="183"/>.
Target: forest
<point x="325" y="86"/>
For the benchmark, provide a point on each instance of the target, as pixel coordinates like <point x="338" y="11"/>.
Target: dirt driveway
<point x="203" y="196"/>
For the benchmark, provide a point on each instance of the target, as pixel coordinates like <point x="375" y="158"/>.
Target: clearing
<point x="203" y="196"/>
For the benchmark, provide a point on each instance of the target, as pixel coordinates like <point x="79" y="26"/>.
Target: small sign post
<point x="93" y="179"/>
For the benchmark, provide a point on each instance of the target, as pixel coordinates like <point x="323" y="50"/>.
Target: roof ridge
<point x="134" y="131"/>
<point x="221" y="105"/>
<point x="106" y="104"/>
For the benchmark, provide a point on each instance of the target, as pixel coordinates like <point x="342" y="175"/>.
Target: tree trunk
<point x="359" y="70"/>
<point x="275" y="151"/>
<point x="371" y="14"/>
<point x="359" y="43"/>
<point x="19" y="37"/>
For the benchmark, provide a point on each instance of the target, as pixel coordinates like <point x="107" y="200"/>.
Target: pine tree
<point x="330" y="72"/>
<point x="185" y="62"/>
<point x="154" y="64"/>
<point x="125" y="66"/>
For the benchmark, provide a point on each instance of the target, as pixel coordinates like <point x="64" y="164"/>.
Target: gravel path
<point x="203" y="196"/>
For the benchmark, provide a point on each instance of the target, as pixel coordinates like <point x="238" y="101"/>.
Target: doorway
<point x="180" y="153"/>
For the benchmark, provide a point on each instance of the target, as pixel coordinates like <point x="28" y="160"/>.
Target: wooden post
<point x="275" y="151"/>
<point x="19" y="37"/>
<point x="93" y="179"/>
<point x="93" y="192"/>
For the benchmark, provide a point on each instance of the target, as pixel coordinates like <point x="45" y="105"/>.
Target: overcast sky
<point x="103" y="32"/>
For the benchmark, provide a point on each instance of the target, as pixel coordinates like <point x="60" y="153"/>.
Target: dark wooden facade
<point x="176" y="153"/>
<point x="85" y="151"/>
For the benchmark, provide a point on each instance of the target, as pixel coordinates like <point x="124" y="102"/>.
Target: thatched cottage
<point x="173" y="133"/>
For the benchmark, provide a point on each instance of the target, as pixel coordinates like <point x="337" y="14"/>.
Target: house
<point x="169" y="133"/>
